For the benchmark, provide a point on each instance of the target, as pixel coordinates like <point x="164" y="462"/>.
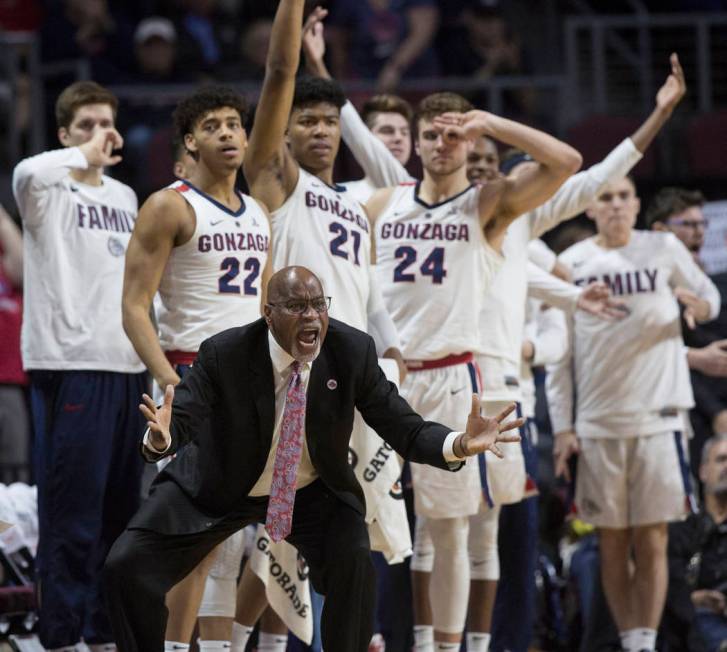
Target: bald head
<point x="285" y="281"/>
<point x="297" y="312"/>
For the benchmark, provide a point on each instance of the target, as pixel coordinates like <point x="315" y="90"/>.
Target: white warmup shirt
<point x="432" y="261"/>
<point x="503" y="311"/>
<point x="75" y="243"/>
<point x="630" y="376"/>
<point x="213" y="281"/>
<point x="380" y="166"/>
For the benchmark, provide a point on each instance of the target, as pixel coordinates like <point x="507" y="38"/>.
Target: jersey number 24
<point x="433" y="265"/>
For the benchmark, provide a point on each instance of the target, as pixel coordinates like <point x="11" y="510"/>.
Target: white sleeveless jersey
<point x="75" y="240"/>
<point x="434" y="265"/>
<point x="320" y="228"/>
<point x="213" y="281"/>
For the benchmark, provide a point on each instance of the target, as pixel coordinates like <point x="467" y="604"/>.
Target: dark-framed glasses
<point x="299" y="306"/>
<point x="689" y="224"/>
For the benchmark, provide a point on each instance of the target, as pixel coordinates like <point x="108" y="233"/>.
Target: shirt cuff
<point x="448" y="448"/>
<point x="150" y="448"/>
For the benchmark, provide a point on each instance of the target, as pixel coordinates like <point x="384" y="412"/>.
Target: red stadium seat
<point x="706" y="138"/>
<point x="598" y="134"/>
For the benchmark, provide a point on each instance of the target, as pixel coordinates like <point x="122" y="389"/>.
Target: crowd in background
<point x="193" y="41"/>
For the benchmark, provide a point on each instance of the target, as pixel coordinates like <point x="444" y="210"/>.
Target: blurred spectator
<point x="87" y="29"/>
<point x="680" y="211"/>
<point x="207" y="34"/>
<point x="383" y="40"/>
<point x="14" y="421"/>
<point x="488" y="46"/>
<point x="143" y="115"/>
<point x="155" y="51"/>
<point x="253" y="50"/>
<point x="696" y="618"/>
<point x="483" y="47"/>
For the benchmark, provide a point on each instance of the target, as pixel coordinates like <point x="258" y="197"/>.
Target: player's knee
<point x="219" y="598"/>
<point x="484" y="559"/>
<point x="422" y="558"/>
<point x="650" y="543"/>
<point x="449" y="534"/>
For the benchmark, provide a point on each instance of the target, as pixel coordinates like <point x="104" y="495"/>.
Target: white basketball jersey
<point x="213" y="281"/>
<point x="433" y="264"/>
<point x="360" y="190"/>
<point x="74" y="246"/>
<point x="320" y="228"/>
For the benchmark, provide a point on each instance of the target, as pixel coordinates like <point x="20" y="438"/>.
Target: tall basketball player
<point x="205" y="247"/>
<point x="85" y="378"/>
<point x="289" y="167"/>
<point x="438" y="248"/>
<point x="632" y="383"/>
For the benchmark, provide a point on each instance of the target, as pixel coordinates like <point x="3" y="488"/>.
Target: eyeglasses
<point x="320" y="304"/>
<point x="690" y="224"/>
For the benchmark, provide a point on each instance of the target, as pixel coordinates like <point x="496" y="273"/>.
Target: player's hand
<point x="674" y="88"/>
<point x="709" y="599"/>
<point x="711" y="360"/>
<point x="719" y="423"/>
<point x="484" y="433"/>
<point x="596" y="300"/>
<point x="99" y="151"/>
<point x="158" y="419"/>
<point x="527" y="351"/>
<point x="394" y="354"/>
<point x="566" y="445"/>
<point x="470" y="125"/>
<point x="314" y="44"/>
<point x="695" y="308"/>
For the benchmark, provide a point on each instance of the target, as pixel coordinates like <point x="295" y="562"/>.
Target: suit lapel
<point x="262" y="387"/>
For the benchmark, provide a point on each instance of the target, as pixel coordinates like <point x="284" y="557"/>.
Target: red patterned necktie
<point x="279" y="519"/>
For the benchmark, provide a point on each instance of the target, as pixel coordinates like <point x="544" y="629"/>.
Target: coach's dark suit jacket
<point x="231" y="384"/>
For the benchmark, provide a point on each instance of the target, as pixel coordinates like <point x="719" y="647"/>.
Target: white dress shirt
<point x="307" y="473"/>
<point x="282" y="369"/>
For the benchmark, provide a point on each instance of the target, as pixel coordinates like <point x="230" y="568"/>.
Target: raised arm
<point x="555" y="162"/>
<point x="33" y="176"/>
<point x="574" y="196"/>
<point x="377" y="162"/>
<point x="422" y="23"/>
<point x="269" y="168"/>
<point x="154" y="235"/>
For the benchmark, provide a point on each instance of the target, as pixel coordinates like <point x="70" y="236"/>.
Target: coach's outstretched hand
<point x="99" y="151"/>
<point x="484" y="433"/>
<point x="158" y="419"/>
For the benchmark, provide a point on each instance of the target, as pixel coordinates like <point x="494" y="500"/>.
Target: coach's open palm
<point x="158" y="419"/>
<point x="484" y="433"/>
